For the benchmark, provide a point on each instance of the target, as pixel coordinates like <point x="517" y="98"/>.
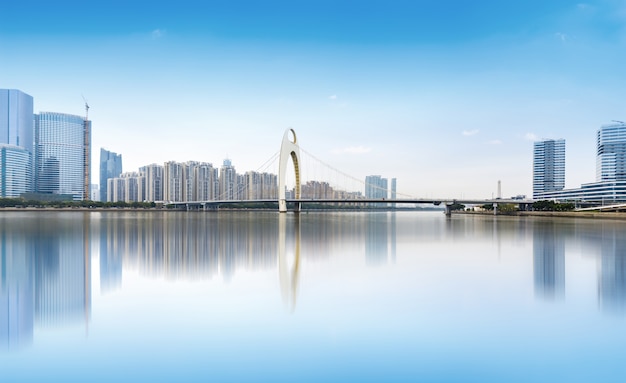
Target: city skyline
<point x="448" y="98"/>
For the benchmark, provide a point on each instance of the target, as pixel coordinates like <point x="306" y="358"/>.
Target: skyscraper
<point x="16" y="119"/>
<point x="15" y="171"/>
<point x="110" y="167"/>
<point x="611" y="152"/>
<point x="16" y="139"/>
<point x="62" y="154"/>
<point x="548" y="166"/>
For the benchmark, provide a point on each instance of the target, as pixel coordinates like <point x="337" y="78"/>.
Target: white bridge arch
<point x="288" y="149"/>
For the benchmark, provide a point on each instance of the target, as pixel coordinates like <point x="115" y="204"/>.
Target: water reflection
<point x="612" y="279"/>
<point x="380" y="238"/>
<point x="548" y="260"/>
<point x="45" y="274"/>
<point x="45" y="258"/>
<point x="288" y="269"/>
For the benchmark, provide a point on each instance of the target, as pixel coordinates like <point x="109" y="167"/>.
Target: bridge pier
<point x="448" y="211"/>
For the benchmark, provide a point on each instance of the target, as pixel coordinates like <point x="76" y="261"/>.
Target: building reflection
<point x="548" y="260"/>
<point x="44" y="275"/>
<point x="189" y="246"/>
<point x="17" y="309"/>
<point x="289" y="240"/>
<point x="380" y="239"/>
<point x="612" y="278"/>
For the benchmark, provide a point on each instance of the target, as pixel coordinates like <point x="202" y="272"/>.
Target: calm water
<point x="132" y="296"/>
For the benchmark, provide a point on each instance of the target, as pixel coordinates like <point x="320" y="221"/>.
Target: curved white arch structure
<point x="288" y="149"/>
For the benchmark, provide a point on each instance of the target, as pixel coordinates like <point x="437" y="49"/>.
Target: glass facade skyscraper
<point x="15" y="171"/>
<point x="611" y="152"/>
<point x="16" y="119"/>
<point x="62" y="154"/>
<point x="16" y="141"/>
<point x="548" y="166"/>
<point x="110" y="167"/>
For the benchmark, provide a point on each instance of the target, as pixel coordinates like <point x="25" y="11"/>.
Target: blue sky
<point x="446" y="96"/>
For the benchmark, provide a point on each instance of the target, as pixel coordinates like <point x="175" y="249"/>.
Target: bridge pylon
<point x="288" y="149"/>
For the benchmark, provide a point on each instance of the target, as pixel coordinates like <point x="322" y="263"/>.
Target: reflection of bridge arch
<point x="288" y="149"/>
<point x="288" y="275"/>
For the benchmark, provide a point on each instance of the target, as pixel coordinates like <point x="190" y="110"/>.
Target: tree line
<point x="24" y="203"/>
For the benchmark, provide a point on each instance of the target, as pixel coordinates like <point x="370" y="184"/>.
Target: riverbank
<point x="560" y="214"/>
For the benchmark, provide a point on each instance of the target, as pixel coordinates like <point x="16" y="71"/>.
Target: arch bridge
<point x="290" y="150"/>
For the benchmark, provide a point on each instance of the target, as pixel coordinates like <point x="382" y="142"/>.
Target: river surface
<point x="268" y="297"/>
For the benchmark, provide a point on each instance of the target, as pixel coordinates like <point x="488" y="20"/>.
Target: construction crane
<point x="86" y="154"/>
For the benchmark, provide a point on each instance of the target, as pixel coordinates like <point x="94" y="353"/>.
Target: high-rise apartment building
<point x="228" y="181"/>
<point x="173" y="182"/>
<point x="62" y="154"/>
<point x="153" y="174"/>
<point x="16" y="138"/>
<point x="206" y="182"/>
<point x="110" y="167"/>
<point x="548" y="166"/>
<point x="611" y="152"/>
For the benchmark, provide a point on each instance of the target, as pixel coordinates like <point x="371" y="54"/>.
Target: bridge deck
<point x="432" y="201"/>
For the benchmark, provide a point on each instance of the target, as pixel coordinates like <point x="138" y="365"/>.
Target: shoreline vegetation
<point x="20" y="204"/>
<point x="553" y="214"/>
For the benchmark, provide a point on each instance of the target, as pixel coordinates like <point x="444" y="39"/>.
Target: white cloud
<point x="494" y="142"/>
<point x="333" y="97"/>
<point x="157" y="33"/>
<point x="561" y="36"/>
<point x="470" y="132"/>
<point x="352" y="150"/>
<point x="531" y="137"/>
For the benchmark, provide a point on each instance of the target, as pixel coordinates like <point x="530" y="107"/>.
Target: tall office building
<point x="15" y="171"/>
<point x="62" y="154"/>
<point x="110" y="167"/>
<point x="16" y="119"/>
<point x="16" y="139"/>
<point x="548" y="166"/>
<point x="611" y="152"/>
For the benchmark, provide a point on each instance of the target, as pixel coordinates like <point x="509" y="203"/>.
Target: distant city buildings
<point x="110" y="167"/>
<point x="47" y="153"/>
<point x="375" y="187"/>
<point x="548" y="166"/>
<point x="47" y="156"/>
<point x="610" y="185"/>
